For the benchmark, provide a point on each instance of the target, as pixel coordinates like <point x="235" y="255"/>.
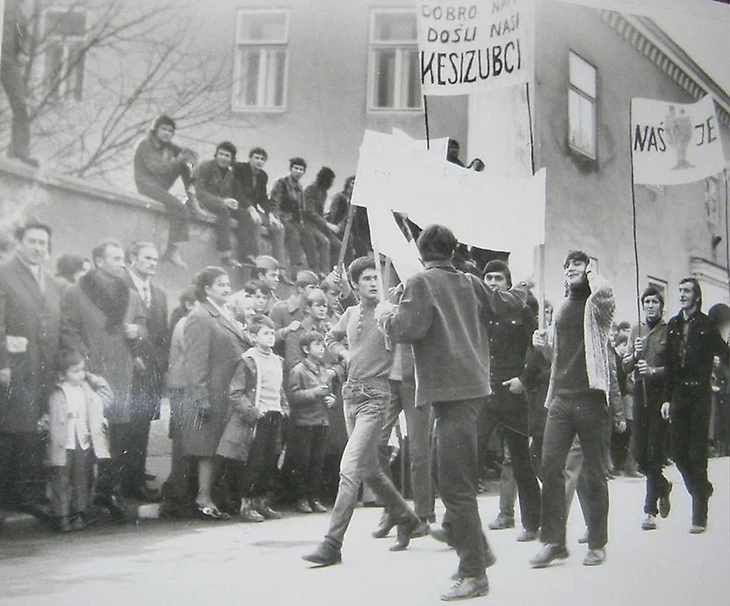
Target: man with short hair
<point x="149" y="368"/>
<point x="104" y="319"/>
<point x="158" y="163"/>
<point x="215" y="189"/>
<point x="356" y="340"/>
<point x="692" y="342"/>
<point x="646" y="358"/>
<point x="287" y="200"/>
<point x="443" y="314"/>
<point x="287" y="315"/>
<point x="510" y="337"/>
<point x="29" y="328"/>
<point x="326" y="242"/>
<point x="577" y="400"/>
<point x="255" y="214"/>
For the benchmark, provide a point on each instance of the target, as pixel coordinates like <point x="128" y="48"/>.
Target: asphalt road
<point x="229" y="563"/>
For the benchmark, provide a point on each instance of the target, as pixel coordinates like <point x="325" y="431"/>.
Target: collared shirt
<point x="36" y="271"/>
<point x="143" y="288"/>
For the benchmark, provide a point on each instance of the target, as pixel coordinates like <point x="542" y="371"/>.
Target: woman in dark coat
<point x="214" y="343"/>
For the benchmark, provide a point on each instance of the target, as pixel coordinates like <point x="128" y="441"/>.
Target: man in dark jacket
<point x="443" y="313"/>
<point x="158" y="163"/>
<point x="326" y="242"/>
<point x="150" y="365"/>
<point x="29" y="325"/>
<point x="692" y="342"/>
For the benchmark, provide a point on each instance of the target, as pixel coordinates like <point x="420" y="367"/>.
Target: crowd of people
<point x="262" y="391"/>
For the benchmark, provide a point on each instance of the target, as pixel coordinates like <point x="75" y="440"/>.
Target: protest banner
<point x="674" y="143"/>
<point x="463" y="46"/>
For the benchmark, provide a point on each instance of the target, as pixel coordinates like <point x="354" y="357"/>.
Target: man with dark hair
<point x="510" y="337"/>
<point x="29" y="328"/>
<point x="692" y="342"/>
<point x="105" y="320"/>
<point x="149" y="365"/>
<point x="287" y="315"/>
<point x="646" y="359"/>
<point x="287" y="200"/>
<point x="215" y="189"/>
<point x="338" y="213"/>
<point x="158" y="163"/>
<point x="452" y="153"/>
<point x="577" y="400"/>
<point x="443" y="313"/>
<point x="357" y="341"/>
<point x="255" y="214"/>
<point x="326" y="242"/>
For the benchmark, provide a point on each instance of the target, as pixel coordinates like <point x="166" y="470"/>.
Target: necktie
<point x="147" y="295"/>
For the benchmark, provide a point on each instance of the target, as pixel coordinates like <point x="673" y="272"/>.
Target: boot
<point x="262" y="506"/>
<point x="248" y="513"/>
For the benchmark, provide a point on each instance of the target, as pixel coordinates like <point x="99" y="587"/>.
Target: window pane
<point x="274" y="78"/>
<point x="384" y="78"/>
<point x="395" y="26"/>
<point x="262" y="27"/>
<point x="75" y="85"/>
<point x="65" y="24"/>
<point x="413" y="98"/>
<point x="582" y="75"/>
<point x="581" y="119"/>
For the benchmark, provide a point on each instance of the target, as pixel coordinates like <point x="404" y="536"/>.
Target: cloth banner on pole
<point x="467" y="46"/>
<point x="674" y="143"/>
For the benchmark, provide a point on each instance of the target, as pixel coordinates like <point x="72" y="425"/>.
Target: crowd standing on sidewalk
<point x="268" y="395"/>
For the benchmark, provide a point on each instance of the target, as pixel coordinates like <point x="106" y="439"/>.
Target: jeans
<point x="585" y="415"/>
<point x="419" y="423"/>
<point x="690" y="427"/>
<point x="222" y="222"/>
<point x="298" y="241"/>
<point x="327" y="247"/>
<point x="365" y="403"/>
<point x="456" y="451"/>
<point x="305" y="450"/>
<point x="649" y="432"/>
<point x="509" y="411"/>
<point x="71" y="484"/>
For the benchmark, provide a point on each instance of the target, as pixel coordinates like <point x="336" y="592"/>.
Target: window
<point x="394" y="75"/>
<point x="261" y="60"/>
<point x="64" y="53"/>
<point x="582" y="106"/>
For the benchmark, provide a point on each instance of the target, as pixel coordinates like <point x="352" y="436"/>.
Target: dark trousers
<point x="509" y="412"/>
<point x="177" y="210"/>
<point x="22" y="476"/>
<point x="113" y="471"/>
<point x="648" y="431"/>
<point x="456" y="448"/>
<point x="71" y="484"/>
<point x="587" y="416"/>
<point x="260" y="469"/>
<point x="305" y="450"/>
<point x="690" y="426"/>
<point x="177" y="491"/>
<point x="222" y="222"/>
<point x="327" y="247"/>
<point x="246" y="237"/>
<point x="298" y="243"/>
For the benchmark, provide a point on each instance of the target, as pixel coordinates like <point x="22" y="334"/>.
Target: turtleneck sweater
<point x="571" y="376"/>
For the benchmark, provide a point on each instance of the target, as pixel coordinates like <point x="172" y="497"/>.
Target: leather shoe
<point x="649" y="523"/>
<point x="384" y="526"/>
<point x="405" y="532"/>
<point x="114" y="505"/>
<point x="466" y="588"/>
<point x="78" y="522"/>
<point x="526" y="536"/>
<point x="697" y="529"/>
<point x="248" y="513"/>
<point x="261" y="505"/>
<point x="583" y="538"/>
<point x="440" y="534"/>
<point x="317" y="506"/>
<point x="594" y="557"/>
<point x="550" y="552"/>
<point x="303" y="506"/>
<point x="422" y="530"/>
<point x="665" y="506"/>
<point x="63" y="525"/>
<point x="502" y="522"/>
<point x="325" y="554"/>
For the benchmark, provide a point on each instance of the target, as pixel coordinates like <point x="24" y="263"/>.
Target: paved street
<point x="159" y="562"/>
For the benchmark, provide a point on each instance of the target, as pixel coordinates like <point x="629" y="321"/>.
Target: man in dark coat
<point x="29" y="325"/>
<point x="692" y="342"/>
<point x="150" y="365"/>
<point x="443" y="313"/>
<point x="102" y="318"/>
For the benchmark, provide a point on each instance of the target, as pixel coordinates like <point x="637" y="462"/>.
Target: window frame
<point x="238" y="46"/>
<point x="72" y="88"/>
<point x="399" y="46"/>
<point x="593" y="100"/>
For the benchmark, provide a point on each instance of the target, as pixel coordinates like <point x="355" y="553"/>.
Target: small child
<point x="310" y="395"/>
<point x="257" y="399"/>
<point x="78" y="434"/>
<point x="315" y="312"/>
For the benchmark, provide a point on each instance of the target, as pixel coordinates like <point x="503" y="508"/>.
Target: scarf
<point x="110" y="295"/>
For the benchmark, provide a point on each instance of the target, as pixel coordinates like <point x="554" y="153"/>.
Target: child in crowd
<point x="254" y="432"/>
<point x="310" y="395"/>
<point x="260" y="294"/>
<point x="77" y="436"/>
<point x="315" y="317"/>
